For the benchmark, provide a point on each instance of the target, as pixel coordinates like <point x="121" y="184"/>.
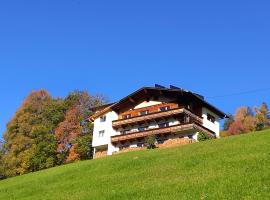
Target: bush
<point x="204" y="136"/>
<point x="151" y="142"/>
<point x="259" y="126"/>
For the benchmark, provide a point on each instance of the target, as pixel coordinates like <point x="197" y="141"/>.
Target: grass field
<point x="231" y="168"/>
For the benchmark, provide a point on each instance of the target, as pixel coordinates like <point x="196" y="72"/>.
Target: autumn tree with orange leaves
<point x="247" y="120"/>
<point x="46" y="131"/>
<point x="74" y="134"/>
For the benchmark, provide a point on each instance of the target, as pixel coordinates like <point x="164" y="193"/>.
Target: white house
<point x="173" y="115"/>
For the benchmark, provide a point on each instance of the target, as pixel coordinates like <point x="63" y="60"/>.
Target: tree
<point x="242" y="113"/>
<point x="29" y="135"/>
<point x="66" y="134"/>
<point x="202" y="136"/>
<point x="228" y="122"/>
<point x="45" y="132"/>
<point x="244" y="121"/>
<point x="236" y="128"/>
<point x="151" y="142"/>
<point x="249" y="124"/>
<point x="74" y="134"/>
<point x="84" y="102"/>
<point x="44" y="154"/>
<point x="2" y="168"/>
<point x="262" y="117"/>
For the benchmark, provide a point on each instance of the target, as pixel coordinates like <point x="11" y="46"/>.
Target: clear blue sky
<point x="115" y="47"/>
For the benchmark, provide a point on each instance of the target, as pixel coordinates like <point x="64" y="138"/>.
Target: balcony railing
<point x="177" y="129"/>
<point x="156" y="115"/>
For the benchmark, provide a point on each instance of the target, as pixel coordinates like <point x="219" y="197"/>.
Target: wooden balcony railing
<point x="177" y="129"/>
<point x="157" y="115"/>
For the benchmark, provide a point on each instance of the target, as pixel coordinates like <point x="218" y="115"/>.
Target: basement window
<point x="211" y="118"/>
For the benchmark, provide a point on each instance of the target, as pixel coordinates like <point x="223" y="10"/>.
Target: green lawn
<point x="231" y="168"/>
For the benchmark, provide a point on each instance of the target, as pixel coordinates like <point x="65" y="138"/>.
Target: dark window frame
<point x="211" y="118"/>
<point x="101" y="133"/>
<point x="142" y="128"/>
<point x="164" y="125"/>
<point x="103" y="118"/>
<point x="144" y="112"/>
<point x="164" y="108"/>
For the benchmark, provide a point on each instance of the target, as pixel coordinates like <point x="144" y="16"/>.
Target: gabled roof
<point x="142" y="94"/>
<point x="105" y="109"/>
<point x="156" y="91"/>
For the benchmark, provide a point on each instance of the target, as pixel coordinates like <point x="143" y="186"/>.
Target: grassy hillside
<point x="231" y="168"/>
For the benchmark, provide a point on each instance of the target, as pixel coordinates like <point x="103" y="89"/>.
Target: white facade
<point x="213" y="126"/>
<point x="147" y="103"/>
<point x="103" y="129"/>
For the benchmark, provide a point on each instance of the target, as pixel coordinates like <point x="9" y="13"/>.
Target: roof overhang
<point x="145" y="92"/>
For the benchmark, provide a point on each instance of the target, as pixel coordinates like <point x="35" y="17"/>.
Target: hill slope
<point x="231" y="168"/>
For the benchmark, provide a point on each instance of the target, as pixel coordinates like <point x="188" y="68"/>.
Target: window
<point x="145" y="112"/>
<point x="160" y="141"/>
<point x="163" y="125"/>
<point x="144" y="128"/>
<point x="124" y="132"/>
<point x="211" y="118"/>
<point x="103" y="118"/>
<point x="101" y="133"/>
<point x="140" y="145"/>
<point x="164" y="108"/>
<point x="126" y="116"/>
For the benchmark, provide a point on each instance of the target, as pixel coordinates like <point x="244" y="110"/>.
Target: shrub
<point x="260" y="126"/>
<point x="151" y="142"/>
<point x="204" y="136"/>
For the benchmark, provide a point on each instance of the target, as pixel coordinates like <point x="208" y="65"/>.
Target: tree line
<point x="247" y="120"/>
<point x="46" y="132"/>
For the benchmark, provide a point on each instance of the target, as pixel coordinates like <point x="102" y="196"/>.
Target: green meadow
<point x="236" y="167"/>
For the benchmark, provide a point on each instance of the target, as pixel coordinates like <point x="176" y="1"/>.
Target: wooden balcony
<point x="177" y="129"/>
<point x="155" y="116"/>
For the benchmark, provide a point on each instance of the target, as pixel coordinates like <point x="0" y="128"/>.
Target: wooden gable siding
<point x="151" y="109"/>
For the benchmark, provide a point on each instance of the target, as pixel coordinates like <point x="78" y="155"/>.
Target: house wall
<point x="104" y="144"/>
<point x="215" y="127"/>
<point x="109" y="131"/>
